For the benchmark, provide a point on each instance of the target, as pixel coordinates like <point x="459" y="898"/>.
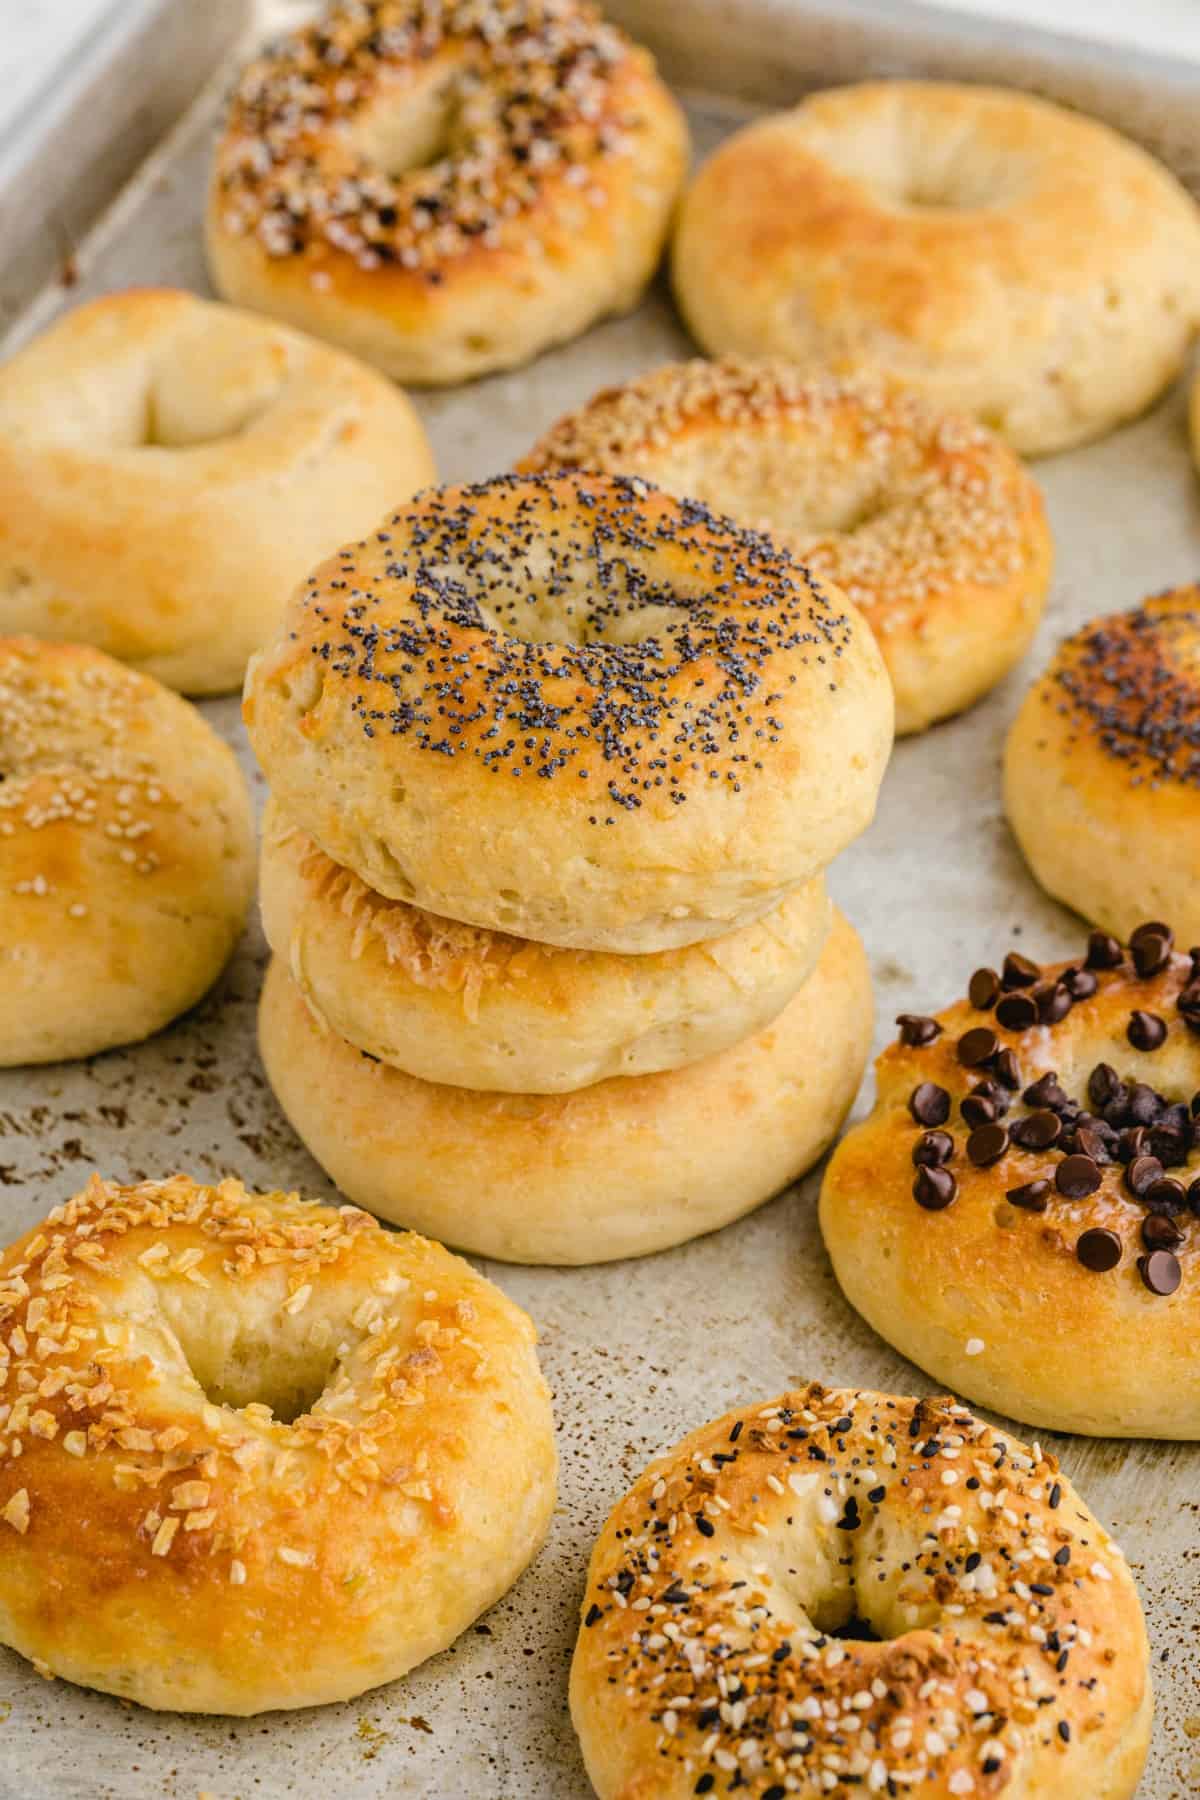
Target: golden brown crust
<point x="170" y="469"/>
<point x="1060" y="1283"/>
<point x="573" y="709"/>
<point x="477" y="1009"/>
<point x="165" y="1537"/>
<point x="1102" y="768"/>
<point x="1009" y="258"/>
<point x="126" y="853"/>
<point x="621" y="1168"/>
<point x="711" y="1656"/>
<point x="446" y="190"/>
<point x="924" y="520"/>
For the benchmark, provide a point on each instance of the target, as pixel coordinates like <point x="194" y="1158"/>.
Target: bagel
<point x="1006" y="257"/>
<point x="618" y="1169"/>
<point x="126" y="853"/>
<point x="171" y="468"/>
<point x="575" y="710"/>
<point x="258" y="1453"/>
<point x="1020" y="1215"/>
<point x="451" y="1003"/>
<point x="1102" y="768"/>
<point x="445" y="189"/>
<point x="925" y="521"/>
<point x="845" y="1592"/>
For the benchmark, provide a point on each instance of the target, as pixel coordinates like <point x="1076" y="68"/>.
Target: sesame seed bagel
<point x="445" y="189"/>
<point x="621" y="1168"/>
<point x="1006" y="257"/>
<point x="1102" y="768"/>
<point x="1020" y="1215"/>
<point x="924" y="520"/>
<point x="270" y="1455"/>
<point x="171" y="468"/>
<point x="573" y="709"/>
<point x="126" y="853"/>
<point x="843" y="1593"/>
<point x="453" y="1003"/>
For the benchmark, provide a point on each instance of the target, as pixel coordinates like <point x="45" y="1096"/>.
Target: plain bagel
<point x="171" y="468"/>
<point x="840" y="1593"/>
<point x="924" y="520"/>
<point x="1004" y="256"/>
<point x="476" y="1009"/>
<point x="445" y="189"/>
<point x="574" y="709"/>
<point x="259" y="1454"/>
<point x="622" y="1168"/>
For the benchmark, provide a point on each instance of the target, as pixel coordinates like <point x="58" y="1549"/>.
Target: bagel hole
<point x="402" y="136"/>
<point x="283" y="1363"/>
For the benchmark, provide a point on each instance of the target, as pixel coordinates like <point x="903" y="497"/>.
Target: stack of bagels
<point x="557" y="764"/>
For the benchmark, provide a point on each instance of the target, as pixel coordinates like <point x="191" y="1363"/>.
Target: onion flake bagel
<point x="621" y="1168"/>
<point x="453" y="1003"/>
<point x="924" y="520"/>
<point x="170" y="469"/>
<point x="1008" y="258"/>
<point x="445" y="188"/>
<point x="258" y="1453"/>
<point x="573" y="709"/>
<point x="126" y="853"/>
<point x="1020" y="1215"/>
<point x="1102" y="768"/>
<point x="851" y="1593"/>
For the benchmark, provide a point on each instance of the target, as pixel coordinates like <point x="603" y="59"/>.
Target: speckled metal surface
<point x="637" y="1353"/>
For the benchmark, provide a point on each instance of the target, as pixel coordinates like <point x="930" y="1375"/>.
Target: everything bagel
<point x="573" y="709"/>
<point x="445" y="189"/>
<point x="843" y="1593"/>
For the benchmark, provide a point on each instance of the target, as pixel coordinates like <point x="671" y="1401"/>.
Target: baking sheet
<point x="637" y="1353"/>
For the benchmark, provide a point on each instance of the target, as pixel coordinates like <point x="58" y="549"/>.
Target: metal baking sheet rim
<point x="637" y="1353"/>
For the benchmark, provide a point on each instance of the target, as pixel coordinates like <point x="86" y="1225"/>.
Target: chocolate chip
<point x="1017" y="1012"/>
<point x="929" y="1104"/>
<point x="1146" y="1031"/>
<point x="1150" y="947"/>
<point x="994" y="1094"/>
<point x="1132" y="1143"/>
<point x="1008" y="1070"/>
<point x="983" y="988"/>
<point x="1087" y="1141"/>
<point x="1033" y="1196"/>
<point x="1103" y="951"/>
<point x="1193" y="1198"/>
<point x="934" y="1189"/>
<point x="1018" y="971"/>
<point x="1081" y="983"/>
<point x="1160" y="1271"/>
<point x="1099" y="1250"/>
<point x="977" y="1046"/>
<point x="1054" y="1002"/>
<point x="986" y="1145"/>
<point x="977" y="1109"/>
<point x="932" y="1149"/>
<point x="1037" y="1132"/>
<point x="1142" y="1174"/>
<point x="1076" y="1176"/>
<point x="916" y="1030"/>
<point x="1160" y="1232"/>
<point x="1189" y="1005"/>
<point x="1144" y="1105"/>
<point x="1046" y="1092"/>
<point x="1105" y="1086"/>
<point x="1165" y="1196"/>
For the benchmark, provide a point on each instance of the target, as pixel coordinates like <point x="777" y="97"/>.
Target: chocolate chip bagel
<point x="1020" y="1215"/>
<point x="1102" y="768"/>
<point x="841" y="1593"/>
<point x="574" y="709"/>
